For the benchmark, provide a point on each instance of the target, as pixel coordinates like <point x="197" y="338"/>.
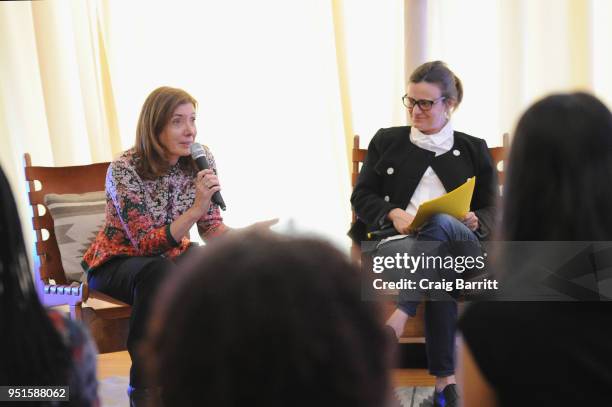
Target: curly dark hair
<point x="261" y="319"/>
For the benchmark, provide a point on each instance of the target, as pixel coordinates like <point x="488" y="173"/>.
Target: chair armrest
<point x="70" y="294"/>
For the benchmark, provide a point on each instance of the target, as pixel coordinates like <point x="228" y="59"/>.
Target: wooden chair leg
<point x="76" y="312"/>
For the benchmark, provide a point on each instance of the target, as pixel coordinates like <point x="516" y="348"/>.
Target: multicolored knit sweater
<point x="139" y="213"/>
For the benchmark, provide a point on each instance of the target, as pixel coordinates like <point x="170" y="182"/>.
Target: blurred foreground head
<point x="559" y="171"/>
<point x="31" y="350"/>
<point x="260" y="319"/>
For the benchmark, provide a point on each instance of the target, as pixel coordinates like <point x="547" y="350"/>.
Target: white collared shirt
<point x="430" y="186"/>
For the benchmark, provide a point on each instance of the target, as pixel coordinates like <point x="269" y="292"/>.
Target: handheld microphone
<point x="198" y="155"/>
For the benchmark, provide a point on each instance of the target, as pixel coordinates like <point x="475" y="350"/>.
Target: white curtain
<point x="374" y="48"/>
<point x="277" y="105"/>
<point x="600" y="46"/>
<point x="55" y="99"/>
<point x="282" y="85"/>
<point x="509" y="53"/>
<point x="265" y="76"/>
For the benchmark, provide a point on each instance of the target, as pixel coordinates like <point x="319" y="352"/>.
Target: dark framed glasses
<point x="424" y="104"/>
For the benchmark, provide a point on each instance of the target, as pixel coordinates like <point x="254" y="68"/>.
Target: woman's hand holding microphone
<point x="206" y="184"/>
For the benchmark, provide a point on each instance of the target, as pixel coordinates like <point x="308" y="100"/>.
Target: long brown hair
<point x="154" y="116"/>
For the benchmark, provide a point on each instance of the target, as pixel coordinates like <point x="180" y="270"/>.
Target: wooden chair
<point x="414" y="331"/>
<point x="106" y="317"/>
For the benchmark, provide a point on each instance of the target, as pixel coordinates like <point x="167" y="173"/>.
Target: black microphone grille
<point x="197" y="151"/>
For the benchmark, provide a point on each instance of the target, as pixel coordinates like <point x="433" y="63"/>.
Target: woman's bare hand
<point x="401" y="220"/>
<point x="263" y="225"/>
<point x="206" y="184"/>
<point x="471" y="221"/>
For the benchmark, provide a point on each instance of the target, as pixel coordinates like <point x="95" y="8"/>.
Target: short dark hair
<point x="558" y="172"/>
<point x="260" y="319"/>
<point x="438" y="73"/>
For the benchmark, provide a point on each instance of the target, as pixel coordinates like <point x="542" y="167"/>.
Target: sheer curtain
<point x="282" y="85"/>
<point x="373" y="47"/>
<point x="277" y="106"/>
<point x="510" y="53"/>
<point x="54" y="96"/>
<point x="267" y="78"/>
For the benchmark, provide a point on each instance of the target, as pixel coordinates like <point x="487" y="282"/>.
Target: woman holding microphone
<point x="407" y="166"/>
<point x="154" y="195"/>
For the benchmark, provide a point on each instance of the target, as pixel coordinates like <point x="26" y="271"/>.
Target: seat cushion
<point x="77" y="218"/>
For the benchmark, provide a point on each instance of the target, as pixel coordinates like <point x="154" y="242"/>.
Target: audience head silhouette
<point x="31" y="350"/>
<point x="561" y="154"/>
<point x="260" y="319"/>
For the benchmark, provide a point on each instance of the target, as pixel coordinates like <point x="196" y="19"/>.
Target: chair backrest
<point x="76" y="179"/>
<point x="497" y="153"/>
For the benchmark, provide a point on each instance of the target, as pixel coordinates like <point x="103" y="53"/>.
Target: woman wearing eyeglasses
<point x="406" y="166"/>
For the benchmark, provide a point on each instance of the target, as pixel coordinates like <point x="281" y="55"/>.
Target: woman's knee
<point x="154" y="271"/>
<point x="443" y="220"/>
<point x="441" y="227"/>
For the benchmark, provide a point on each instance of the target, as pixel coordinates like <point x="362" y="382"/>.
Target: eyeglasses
<point x="424" y="104"/>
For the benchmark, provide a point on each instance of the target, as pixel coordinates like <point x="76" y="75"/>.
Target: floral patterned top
<point x="83" y="384"/>
<point x="139" y="212"/>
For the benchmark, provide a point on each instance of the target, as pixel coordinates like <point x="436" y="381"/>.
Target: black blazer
<point x="394" y="167"/>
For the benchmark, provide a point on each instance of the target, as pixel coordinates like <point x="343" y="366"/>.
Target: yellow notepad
<point x="455" y="203"/>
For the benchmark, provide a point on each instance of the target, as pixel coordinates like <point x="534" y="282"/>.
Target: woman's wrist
<point x="193" y="214"/>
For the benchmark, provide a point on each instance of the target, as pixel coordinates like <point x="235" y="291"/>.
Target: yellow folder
<point x="455" y="203"/>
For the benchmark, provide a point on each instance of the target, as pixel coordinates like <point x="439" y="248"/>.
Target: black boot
<point x="447" y="397"/>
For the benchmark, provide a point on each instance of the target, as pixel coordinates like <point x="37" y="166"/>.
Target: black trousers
<point x="133" y="280"/>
